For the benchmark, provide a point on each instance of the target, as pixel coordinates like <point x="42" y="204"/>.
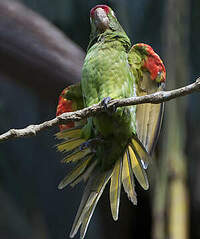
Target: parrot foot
<point x="105" y="102"/>
<point x="91" y="143"/>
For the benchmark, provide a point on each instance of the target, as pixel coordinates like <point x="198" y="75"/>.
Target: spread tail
<point x="87" y="167"/>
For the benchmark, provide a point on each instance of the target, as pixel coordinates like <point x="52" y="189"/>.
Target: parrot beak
<point x="101" y="19"/>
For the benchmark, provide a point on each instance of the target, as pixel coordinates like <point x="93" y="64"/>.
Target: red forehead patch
<point x="104" y="7"/>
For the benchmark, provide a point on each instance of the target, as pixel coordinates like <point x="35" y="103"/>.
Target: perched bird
<point x="115" y="145"/>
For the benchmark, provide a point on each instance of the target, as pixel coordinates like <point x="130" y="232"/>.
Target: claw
<point x="91" y="143"/>
<point x="84" y="145"/>
<point x="105" y="102"/>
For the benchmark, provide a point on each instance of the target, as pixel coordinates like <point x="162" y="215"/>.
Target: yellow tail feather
<point x="128" y="179"/>
<point x="83" y="209"/>
<point x="137" y="168"/>
<point x="92" y="193"/>
<point x="77" y="155"/>
<point x="70" y="144"/>
<point x="115" y="189"/>
<point x="140" y="149"/>
<point x="87" y="216"/>
<point x="86" y="174"/>
<point x="69" y="133"/>
<point x="86" y="220"/>
<point x="75" y="172"/>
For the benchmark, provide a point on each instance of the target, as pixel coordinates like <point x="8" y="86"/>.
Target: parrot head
<point x="102" y="19"/>
<point x="99" y="17"/>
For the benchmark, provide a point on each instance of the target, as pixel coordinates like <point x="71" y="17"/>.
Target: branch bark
<point x="155" y="98"/>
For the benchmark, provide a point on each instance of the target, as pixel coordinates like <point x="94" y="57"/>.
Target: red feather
<point x="152" y="62"/>
<point x="64" y="105"/>
<point x="104" y="7"/>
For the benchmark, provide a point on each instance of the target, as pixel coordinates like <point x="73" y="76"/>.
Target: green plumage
<point x="106" y="73"/>
<point x="107" y="146"/>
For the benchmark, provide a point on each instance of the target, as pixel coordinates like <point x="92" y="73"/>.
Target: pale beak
<point x="101" y="19"/>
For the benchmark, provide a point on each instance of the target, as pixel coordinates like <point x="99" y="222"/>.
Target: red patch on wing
<point x="104" y="7"/>
<point x="153" y="63"/>
<point x="64" y="105"/>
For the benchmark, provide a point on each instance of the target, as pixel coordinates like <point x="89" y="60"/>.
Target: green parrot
<point x="115" y="145"/>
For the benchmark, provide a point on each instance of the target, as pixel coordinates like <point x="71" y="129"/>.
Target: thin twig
<point x="155" y="98"/>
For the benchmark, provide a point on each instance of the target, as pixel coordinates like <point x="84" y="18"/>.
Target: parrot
<point x="116" y="145"/>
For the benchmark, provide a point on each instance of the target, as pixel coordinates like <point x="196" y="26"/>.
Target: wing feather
<point x="148" y="123"/>
<point x="150" y="74"/>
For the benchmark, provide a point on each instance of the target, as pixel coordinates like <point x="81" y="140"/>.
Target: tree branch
<point x="155" y="98"/>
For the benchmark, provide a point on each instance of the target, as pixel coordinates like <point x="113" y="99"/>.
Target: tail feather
<point x="76" y="155"/>
<point x="74" y="146"/>
<point x="76" y="172"/>
<point x="86" y="220"/>
<point x="92" y="193"/>
<point x="69" y="133"/>
<point x="83" y="208"/>
<point x="70" y="144"/>
<point x="88" y="215"/>
<point x="76" y="149"/>
<point x="85" y="175"/>
<point x="115" y="189"/>
<point x="137" y="168"/>
<point x="128" y="179"/>
<point x="140" y="149"/>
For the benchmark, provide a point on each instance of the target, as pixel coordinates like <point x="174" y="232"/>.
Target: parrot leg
<point x="162" y="85"/>
<point x="105" y="102"/>
<point x="91" y="143"/>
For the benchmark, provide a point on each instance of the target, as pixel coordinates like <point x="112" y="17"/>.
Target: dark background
<point x="41" y="52"/>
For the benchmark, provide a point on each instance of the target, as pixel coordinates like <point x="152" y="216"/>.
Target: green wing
<point x="148" y="116"/>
